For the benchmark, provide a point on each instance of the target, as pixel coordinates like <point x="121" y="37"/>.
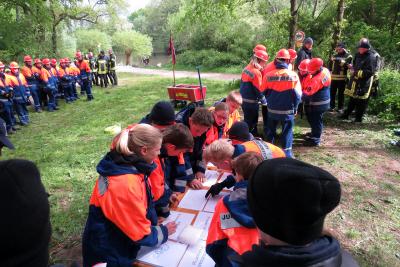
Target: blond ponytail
<point x="141" y="135"/>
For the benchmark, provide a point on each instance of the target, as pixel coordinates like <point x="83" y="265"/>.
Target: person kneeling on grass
<point x="122" y="217"/>
<point x="289" y="201"/>
<point x="232" y="230"/>
<point x="222" y="152"/>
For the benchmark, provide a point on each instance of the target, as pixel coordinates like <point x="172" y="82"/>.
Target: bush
<point x="387" y="104"/>
<point x="209" y="58"/>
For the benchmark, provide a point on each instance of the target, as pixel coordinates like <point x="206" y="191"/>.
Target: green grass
<point x="68" y="144"/>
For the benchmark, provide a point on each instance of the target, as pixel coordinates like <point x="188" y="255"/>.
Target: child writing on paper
<point x="232" y="230"/>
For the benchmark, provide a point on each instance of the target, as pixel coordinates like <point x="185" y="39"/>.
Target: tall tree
<point x="339" y="23"/>
<point x="132" y="43"/>
<point x="294" y="15"/>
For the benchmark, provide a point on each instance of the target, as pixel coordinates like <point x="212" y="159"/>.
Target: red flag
<point x="171" y="49"/>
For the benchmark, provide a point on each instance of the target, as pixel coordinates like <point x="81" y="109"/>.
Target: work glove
<point x="360" y="91"/>
<point x="263" y="101"/>
<point x="217" y="188"/>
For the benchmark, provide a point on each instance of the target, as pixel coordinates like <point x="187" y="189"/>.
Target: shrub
<point x="387" y="103"/>
<point x="209" y="58"/>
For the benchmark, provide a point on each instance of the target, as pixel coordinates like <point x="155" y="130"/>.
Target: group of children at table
<point x="273" y="217"/>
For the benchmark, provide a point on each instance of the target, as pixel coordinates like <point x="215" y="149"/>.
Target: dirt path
<point x="179" y="74"/>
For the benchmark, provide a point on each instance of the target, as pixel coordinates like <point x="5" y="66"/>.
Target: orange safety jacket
<point x="121" y="216"/>
<point x="250" y="84"/>
<point x="232" y="230"/>
<point x="266" y="150"/>
<point x="31" y="74"/>
<point x="232" y="118"/>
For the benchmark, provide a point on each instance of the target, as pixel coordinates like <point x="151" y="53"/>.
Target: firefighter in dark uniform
<point x="339" y="65"/>
<point x="102" y="69"/>
<point x="360" y="84"/>
<point x="93" y="66"/>
<point x="112" y="62"/>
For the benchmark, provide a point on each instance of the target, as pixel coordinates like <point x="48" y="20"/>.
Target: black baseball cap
<point x="3" y="135"/>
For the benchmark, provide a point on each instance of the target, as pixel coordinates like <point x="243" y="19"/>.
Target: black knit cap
<point x="364" y="43"/>
<point x="25" y="226"/>
<point x="162" y="113"/>
<point x="289" y="199"/>
<point x="341" y="45"/>
<point x="239" y="131"/>
<point x="308" y="40"/>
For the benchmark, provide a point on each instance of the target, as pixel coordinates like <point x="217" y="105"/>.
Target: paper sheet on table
<point x="212" y="201"/>
<point x="194" y="200"/>
<point x="182" y="219"/>
<point x="168" y="254"/>
<point x="203" y="221"/>
<point x="212" y="177"/>
<point x="210" y="165"/>
<point x="197" y="256"/>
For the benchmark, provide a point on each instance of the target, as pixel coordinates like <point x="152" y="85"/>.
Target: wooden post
<point x="173" y="72"/>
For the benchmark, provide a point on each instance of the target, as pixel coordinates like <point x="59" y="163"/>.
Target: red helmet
<point x="303" y="64"/>
<point x="66" y="60"/>
<point x="27" y="59"/>
<point x="13" y="65"/>
<point x="261" y="55"/>
<point x="292" y="53"/>
<point x="46" y="61"/>
<point x="78" y="54"/>
<point x="283" y="54"/>
<point x="38" y="61"/>
<point x="315" y="64"/>
<point x="53" y="61"/>
<point x="1" y="65"/>
<point x="62" y="61"/>
<point x="260" y="47"/>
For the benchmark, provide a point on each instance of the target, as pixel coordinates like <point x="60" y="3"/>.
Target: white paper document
<point x="194" y="200"/>
<point x="197" y="256"/>
<point x="182" y="220"/>
<point x="168" y="254"/>
<point x="211" y="178"/>
<point x="212" y="201"/>
<point x="203" y="221"/>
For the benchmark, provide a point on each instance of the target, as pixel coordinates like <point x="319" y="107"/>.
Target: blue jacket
<point x="282" y="91"/>
<point x="104" y="241"/>
<point x="195" y="157"/>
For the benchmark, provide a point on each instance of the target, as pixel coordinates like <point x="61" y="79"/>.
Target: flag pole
<point x="173" y="72"/>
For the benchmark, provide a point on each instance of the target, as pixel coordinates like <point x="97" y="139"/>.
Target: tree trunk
<point x="315" y="8"/>
<point x="128" y="57"/>
<point x="293" y="23"/>
<point x="339" y="24"/>
<point x="54" y="39"/>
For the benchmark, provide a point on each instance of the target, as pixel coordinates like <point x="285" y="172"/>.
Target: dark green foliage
<point x="210" y="58"/>
<point x="387" y="104"/>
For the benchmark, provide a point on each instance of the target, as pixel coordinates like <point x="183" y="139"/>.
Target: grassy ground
<point x="68" y="144"/>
